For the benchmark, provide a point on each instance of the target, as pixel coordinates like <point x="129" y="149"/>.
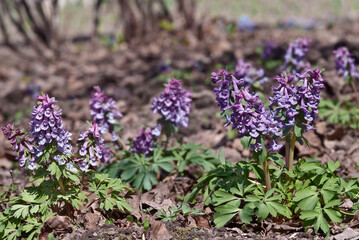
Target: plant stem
<point x="123" y="145"/>
<point x="62" y="188"/>
<point x="291" y="152"/>
<point x="266" y="174"/>
<point x="287" y="149"/>
<point x="355" y="91"/>
<point x="63" y="191"/>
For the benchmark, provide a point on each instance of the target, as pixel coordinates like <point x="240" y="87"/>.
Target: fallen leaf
<point x="55" y="224"/>
<point x="158" y="231"/>
<point x="348" y="233"/>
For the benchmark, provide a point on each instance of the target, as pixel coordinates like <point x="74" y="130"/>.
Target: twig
<point x="213" y="189"/>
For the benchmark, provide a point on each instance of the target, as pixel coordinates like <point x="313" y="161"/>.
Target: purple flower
<point x="249" y="117"/>
<point x="21" y="144"/>
<point x="291" y="101"/>
<point x="104" y="112"/>
<point x="145" y="140"/>
<point x="269" y="46"/>
<point x="344" y="63"/>
<point x="47" y="127"/>
<point x="248" y="73"/>
<point x="227" y="86"/>
<point x="71" y="167"/>
<point x="173" y="104"/>
<point x="273" y="146"/>
<point x="91" y="148"/>
<point x="294" y="57"/>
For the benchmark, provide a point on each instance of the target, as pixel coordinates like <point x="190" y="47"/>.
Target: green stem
<point x="291" y="152"/>
<point x="62" y="188"/>
<point x="351" y="214"/>
<point x="63" y="191"/>
<point x="266" y="174"/>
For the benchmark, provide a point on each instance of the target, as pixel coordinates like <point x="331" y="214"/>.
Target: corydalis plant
<point x="345" y="67"/>
<point x="294" y="58"/>
<point x="248" y="116"/>
<point x="21" y="144"/>
<point x="173" y="104"/>
<point x="246" y="72"/>
<point x="345" y="63"/>
<point x="269" y="47"/>
<point x="104" y="113"/>
<point x="292" y="111"/>
<point x="51" y="140"/>
<point x="91" y="148"/>
<point x="296" y="105"/>
<point x="145" y="140"/>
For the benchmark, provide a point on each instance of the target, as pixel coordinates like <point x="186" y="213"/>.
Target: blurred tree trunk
<point x="42" y="32"/>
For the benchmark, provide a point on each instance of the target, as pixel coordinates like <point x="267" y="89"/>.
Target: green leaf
<point x="221" y="156"/>
<point x="334" y="215"/>
<point x="246" y="214"/>
<point x="246" y="142"/>
<point x="221" y="219"/>
<point x="307" y="198"/>
<point x="327" y="195"/>
<point x="281" y="209"/>
<point x="128" y="173"/>
<point x="333" y="203"/>
<point x="222" y="196"/>
<point x="20" y="210"/>
<point x="181" y="166"/>
<point x="262" y="211"/>
<point x="298" y="129"/>
<point x="333" y="166"/>
<point x="146" y="225"/>
<point x="55" y="170"/>
<point x="28" y="228"/>
<point x="34" y="209"/>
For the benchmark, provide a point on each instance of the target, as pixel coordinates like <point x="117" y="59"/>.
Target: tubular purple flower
<point x="91" y="148"/>
<point x="47" y="127"/>
<point x="288" y="101"/>
<point x="269" y="47"/>
<point x="246" y="72"/>
<point x="173" y="104"/>
<point x="228" y="85"/>
<point x="145" y="140"/>
<point x="294" y="57"/>
<point x="344" y="63"/>
<point x="104" y="112"/>
<point x="21" y="144"/>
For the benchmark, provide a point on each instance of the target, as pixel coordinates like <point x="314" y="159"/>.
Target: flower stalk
<point x="290" y="159"/>
<point x="266" y="174"/>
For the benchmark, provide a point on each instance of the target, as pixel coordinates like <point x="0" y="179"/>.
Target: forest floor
<point x="133" y="76"/>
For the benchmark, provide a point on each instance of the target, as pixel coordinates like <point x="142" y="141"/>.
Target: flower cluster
<point x="247" y="113"/>
<point x="47" y="127"/>
<point x="144" y="142"/>
<point x="248" y="73"/>
<point x="92" y="148"/>
<point x="344" y="63"/>
<point x="104" y="112"/>
<point x="21" y="144"/>
<point x="173" y="104"/>
<point x="294" y="57"/>
<point x="226" y="87"/>
<point x="291" y="101"/>
<point x="251" y="119"/>
<point x="269" y="47"/>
